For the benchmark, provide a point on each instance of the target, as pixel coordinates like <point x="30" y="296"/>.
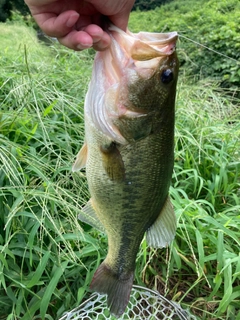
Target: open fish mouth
<point x="137" y="50"/>
<point x="132" y="56"/>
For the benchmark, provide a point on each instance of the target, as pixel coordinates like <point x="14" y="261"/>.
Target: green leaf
<point x="220" y="250"/>
<point x="49" y="108"/>
<point x="200" y="249"/>
<point x="51" y="288"/>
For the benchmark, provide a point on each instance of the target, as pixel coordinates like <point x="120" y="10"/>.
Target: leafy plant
<point x="144" y="5"/>
<point x="208" y="36"/>
<point x="47" y="256"/>
<point x="8" y="7"/>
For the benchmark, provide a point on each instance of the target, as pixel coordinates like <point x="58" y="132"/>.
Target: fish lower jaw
<point x="122" y="110"/>
<point x="134" y="114"/>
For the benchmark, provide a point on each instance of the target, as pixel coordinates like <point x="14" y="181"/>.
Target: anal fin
<point x="89" y="216"/>
<point x="162" y="232"/>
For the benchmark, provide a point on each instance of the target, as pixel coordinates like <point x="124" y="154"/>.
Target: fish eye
<point x="167" y="76"/>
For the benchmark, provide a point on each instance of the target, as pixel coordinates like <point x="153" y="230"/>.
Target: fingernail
<point x="82" y="47"/>
<point x="101" y="46"/>
<point x="72" y="20"/>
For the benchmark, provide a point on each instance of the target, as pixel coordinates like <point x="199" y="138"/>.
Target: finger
<point x="77" y="40"/>
<point x="120" y="18"/>
<point x="101" y="40"/>
<point x="57" y="25"/>
<point x="103" y="43"/>
<point x="120" y="21"/>
<point x="98" y="35"/>
<point x="32" y="3"/>
<point x="90" y="36"/>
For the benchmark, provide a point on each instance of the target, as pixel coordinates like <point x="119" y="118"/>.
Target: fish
<point x="128" y="153"/>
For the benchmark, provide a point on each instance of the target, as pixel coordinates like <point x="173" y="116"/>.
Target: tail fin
<point x="117" y="287"/>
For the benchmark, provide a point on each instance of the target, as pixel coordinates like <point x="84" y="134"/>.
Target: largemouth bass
<point x="128" y="153"/>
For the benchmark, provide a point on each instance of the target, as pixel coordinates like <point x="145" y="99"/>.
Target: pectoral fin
<point x="112" y="162"/>
<point x="81" y="159"/>
<point x="89" y="216"/>
<point x="162" y="232"/>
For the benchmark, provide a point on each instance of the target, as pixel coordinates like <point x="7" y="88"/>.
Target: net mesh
<point x="144" y="304"/>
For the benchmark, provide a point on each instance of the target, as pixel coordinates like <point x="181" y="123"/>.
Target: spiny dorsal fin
<point x="89" y="216"/>
<point x="81" y="159"/>
<point x="162" y="232"/>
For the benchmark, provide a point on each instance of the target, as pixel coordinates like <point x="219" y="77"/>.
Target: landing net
<point x="144" y="304"/>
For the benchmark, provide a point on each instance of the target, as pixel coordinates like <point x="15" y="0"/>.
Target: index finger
<point x="50" y="17"/>
<point x="55" y="25"/>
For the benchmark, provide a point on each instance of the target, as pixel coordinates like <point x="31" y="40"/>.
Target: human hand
<point x="77" y="24"/>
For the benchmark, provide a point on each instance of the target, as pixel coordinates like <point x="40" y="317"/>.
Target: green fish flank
<point x="129" y="153"/>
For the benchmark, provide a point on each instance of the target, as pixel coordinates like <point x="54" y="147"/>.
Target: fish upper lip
<point x="157" y="38"/>
<point x="145" y="45"/>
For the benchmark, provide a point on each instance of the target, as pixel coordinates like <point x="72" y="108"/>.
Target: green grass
<point x="213" y="28"/>
<point x="47" y="257"/>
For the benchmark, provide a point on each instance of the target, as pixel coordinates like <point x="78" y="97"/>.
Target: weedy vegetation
<point x="47" y="256"/>
<point x="209" y="39"/>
